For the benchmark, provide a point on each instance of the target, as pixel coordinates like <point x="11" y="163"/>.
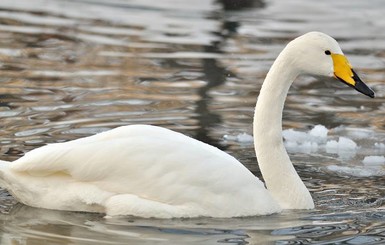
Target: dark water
<point x="70" y="69"/>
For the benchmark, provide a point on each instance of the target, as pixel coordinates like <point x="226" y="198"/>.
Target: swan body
<point x="150" y="171"/>
<point x="123" y="171"/>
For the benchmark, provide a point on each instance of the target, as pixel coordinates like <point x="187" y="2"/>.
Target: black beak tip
<point x="362" y="87"/>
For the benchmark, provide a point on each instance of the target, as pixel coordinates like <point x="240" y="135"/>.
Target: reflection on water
<point x="26" y="225"/>
<point x="70" y="69"/>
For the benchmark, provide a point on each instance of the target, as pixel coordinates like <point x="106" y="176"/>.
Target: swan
<point x="150" y="171"/>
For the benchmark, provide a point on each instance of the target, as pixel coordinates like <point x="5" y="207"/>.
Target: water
<point x="70" y="69"/>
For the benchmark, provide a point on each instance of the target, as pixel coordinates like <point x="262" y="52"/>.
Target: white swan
<point x="151" y="171"/>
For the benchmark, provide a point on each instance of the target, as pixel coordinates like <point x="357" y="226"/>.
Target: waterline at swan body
<point x="150" y="171"/>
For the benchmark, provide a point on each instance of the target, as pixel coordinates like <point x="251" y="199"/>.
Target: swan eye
<point x="327" y="52"/>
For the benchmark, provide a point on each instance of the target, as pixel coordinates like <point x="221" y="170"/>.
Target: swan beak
<point x="344" y="72"/>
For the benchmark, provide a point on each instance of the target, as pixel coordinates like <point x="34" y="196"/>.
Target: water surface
<point x="70" y="69"/>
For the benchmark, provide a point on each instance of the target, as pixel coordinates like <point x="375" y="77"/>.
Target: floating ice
<point x="320" y="132"/>
<point x="379" y="145"/>
<point x="244" y="138"/>
<point x="241" y="138"/>
<point x="374" y="160"/>
<point x="294" y="136"/>
<point x="317" y="139"/>
<point x="343" y="144"/>
<point x="373" y="166"/>
<point x="344" y="147"/>
<point x="305" y="142"/>
<point x="356" y="171"/>
<point x="351" y="143"/>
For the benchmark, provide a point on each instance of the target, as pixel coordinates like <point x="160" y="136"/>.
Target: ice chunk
<point x="317" y="134"/>
<point x="379" y="145"/>
<point x="343" y="144"/>
<point x="319" y="131"/>
<point x="308" y="147"/>
<point x="344" y="147"/>
<point x="303" y="147"/>
<point x="244" y="138"/>
<point x="291" y="135"/>
<point x="305" y="142"/>
<point x="374" y="160"/>
<point x="347" y="144"/>
<point x="356" y="171"/>
<point x="241" y="138"/>
<point x="332" y="146"/>
<point x="291" y="145"/>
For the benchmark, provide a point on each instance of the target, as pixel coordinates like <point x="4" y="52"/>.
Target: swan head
<point x="319" y="54"/>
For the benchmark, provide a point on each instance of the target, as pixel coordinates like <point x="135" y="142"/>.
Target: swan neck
<point x="280" y="177"/>
<point x="271" y="100"/>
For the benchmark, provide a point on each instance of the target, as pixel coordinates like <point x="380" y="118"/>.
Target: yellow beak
<point x="343" y="69"/>
<point x="344" y="72"/>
